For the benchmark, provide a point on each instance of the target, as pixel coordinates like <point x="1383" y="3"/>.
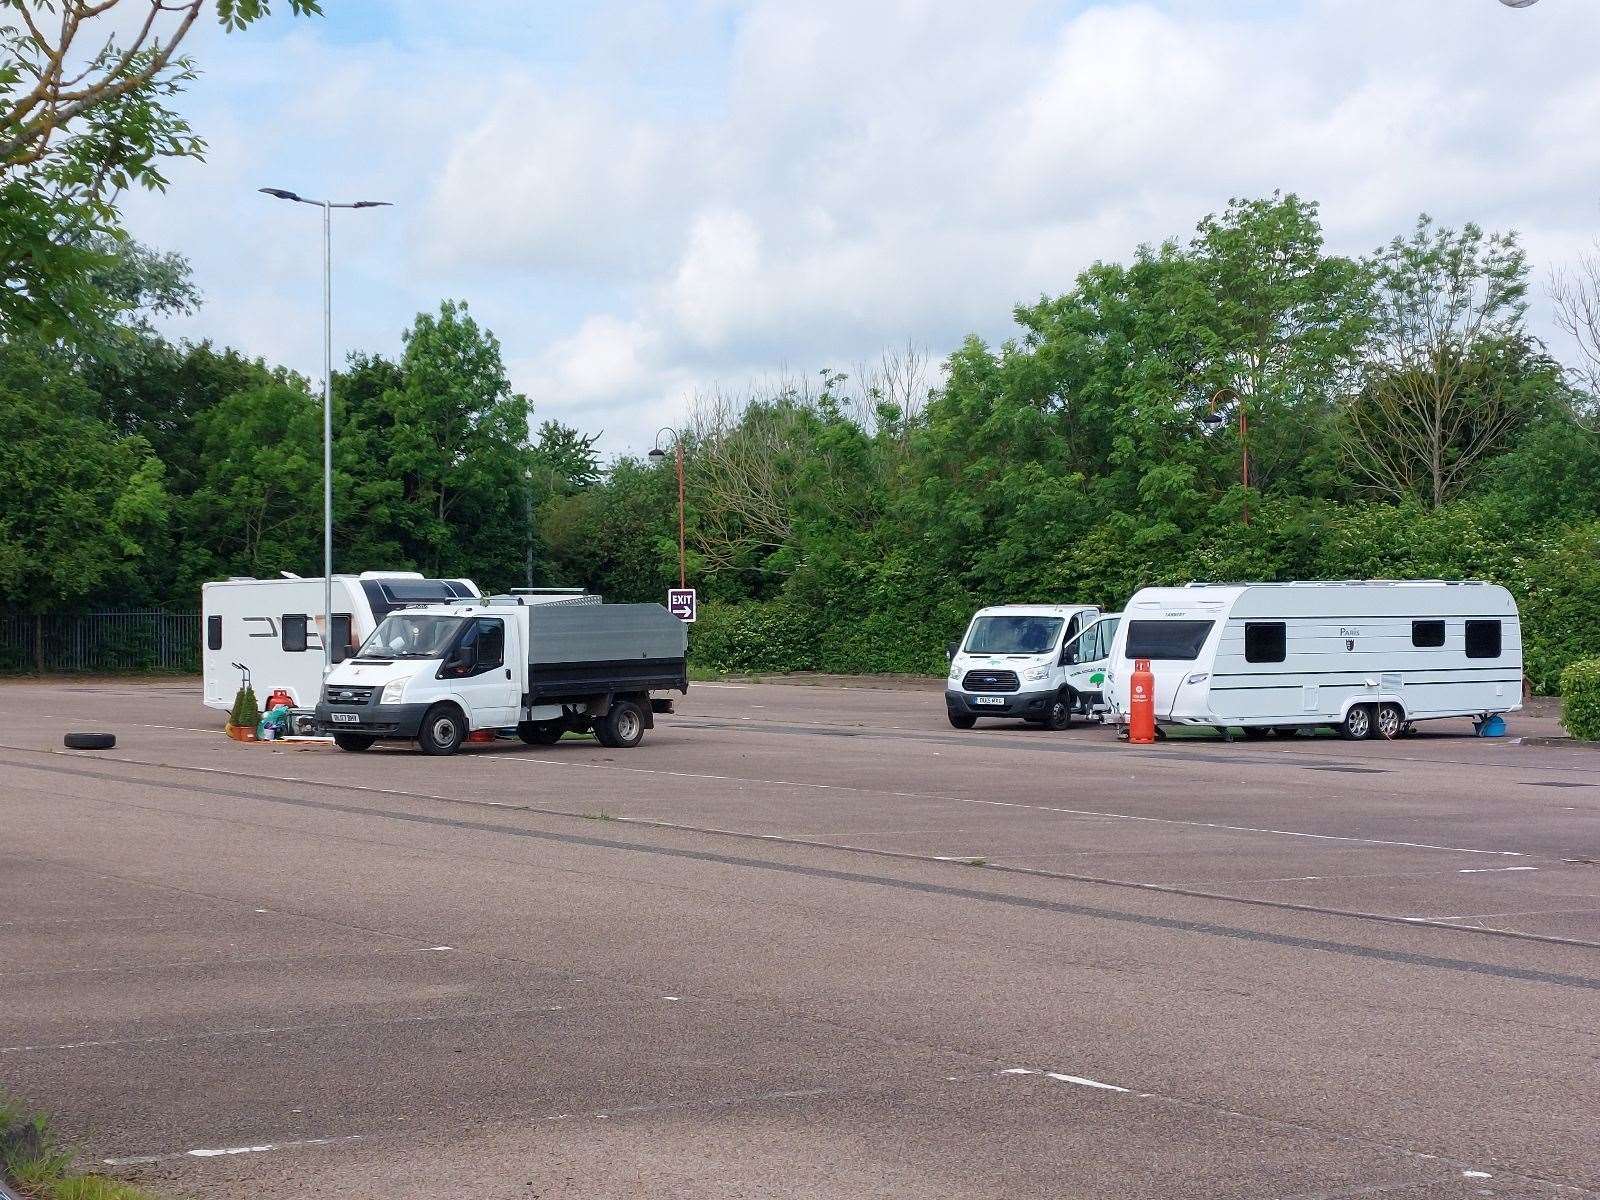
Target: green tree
<point x="85" y="91"/>
<point x="1448" y="381"/>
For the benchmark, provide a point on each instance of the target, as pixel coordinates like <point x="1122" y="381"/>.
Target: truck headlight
<point x="1036" y="673"/>
<point x="393" y="690"/>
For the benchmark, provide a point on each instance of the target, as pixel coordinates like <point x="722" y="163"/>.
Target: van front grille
<point x="348" y="697"/>
<point x="990" y="681"/>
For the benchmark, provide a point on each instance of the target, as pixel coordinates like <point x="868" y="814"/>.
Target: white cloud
<point x="658" y="196"/>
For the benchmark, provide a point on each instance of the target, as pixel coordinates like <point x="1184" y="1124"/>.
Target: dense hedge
<point x="874" y="618"/>
<point x="1580" y="699"/>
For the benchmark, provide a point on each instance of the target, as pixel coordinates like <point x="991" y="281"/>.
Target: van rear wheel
<point x="622" y="728"/>
<point x="1357" y="723"/>
<point x="541" y="733"/>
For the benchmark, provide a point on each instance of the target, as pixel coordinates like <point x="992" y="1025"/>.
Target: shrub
<point x="246" y="710"/>
<point x="1580" y="699"/>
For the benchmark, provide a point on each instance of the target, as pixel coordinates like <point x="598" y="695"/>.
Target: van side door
<point x="1085" y="660"/>
<point x="478" y="671"/>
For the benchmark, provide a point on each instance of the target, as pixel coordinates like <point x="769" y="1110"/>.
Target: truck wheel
<point x="1357" y="723"/>
<point x="961" y="720"/>
<point x="443" y="730"/>
<point x="1391" y="721"/>
<point x="353" y="741"/>
<point x="541" y="733"/>
<point x="1061" y="711"/>
<point x="622" y="728"/>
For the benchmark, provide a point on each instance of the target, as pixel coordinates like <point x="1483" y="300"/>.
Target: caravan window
<point x="213" y="633"/>
<point x="1427" y="634"/>
<point x="1483" y="639"/>
<point x="294" y="632"/>
<point x="342" y="637"/>
<point x="1265" y="641"/>
<point x="1174" y="641"/>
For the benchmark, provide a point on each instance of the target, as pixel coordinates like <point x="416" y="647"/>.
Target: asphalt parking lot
<point x="805" y="941"/>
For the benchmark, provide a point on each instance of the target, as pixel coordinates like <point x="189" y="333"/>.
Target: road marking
<point x="1486" y="870"/>
<point x="1079" y="1080"/>
<point x="732" y="687"/>
<point x="224" y="1151"/>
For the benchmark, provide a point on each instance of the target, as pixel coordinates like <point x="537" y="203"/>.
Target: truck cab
<point x="1029" y="662"/>
<point x="435" y="673"/>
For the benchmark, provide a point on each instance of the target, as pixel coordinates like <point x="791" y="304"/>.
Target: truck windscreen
<point x="1013" y="635"/>
<point x="1174" y="641"/>
<point x="403" y="635"/>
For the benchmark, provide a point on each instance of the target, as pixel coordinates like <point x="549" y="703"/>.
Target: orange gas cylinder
<point x="278" y="697"/>
<point x="1142" y="704"/>
<point x="481" y="735"/>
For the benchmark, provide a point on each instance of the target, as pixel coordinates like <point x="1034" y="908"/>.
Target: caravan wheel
<point x="1391" y="722"/>
<point x="1357" y="723"/>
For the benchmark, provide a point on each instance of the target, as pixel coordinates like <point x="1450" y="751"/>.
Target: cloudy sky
<point x="646" y="197"/>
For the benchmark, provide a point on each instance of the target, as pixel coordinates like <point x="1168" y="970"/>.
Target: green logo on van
<point x="1098" y="677"/>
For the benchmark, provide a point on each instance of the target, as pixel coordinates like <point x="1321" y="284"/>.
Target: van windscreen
<point x="1014" y="635"/>
<point x="1178" y="641"/>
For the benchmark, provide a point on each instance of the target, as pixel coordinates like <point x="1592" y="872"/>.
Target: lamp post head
<point x="279" y="193"/>
<point x="658" y="454"/>
<point x="1212" y="418"/>
<point x="372" y="204"/>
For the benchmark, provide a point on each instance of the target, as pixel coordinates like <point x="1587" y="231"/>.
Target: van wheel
<point x="443" y="730"/>
<point x="961" y="720"/>
<point x="1060" y="716"/>
<point x="354" y="742"/>
<point x="541" y="733"/>
<point x="1391" y="722"/>
<point x="622" y="728"/>
<point x="1357" y="723"/>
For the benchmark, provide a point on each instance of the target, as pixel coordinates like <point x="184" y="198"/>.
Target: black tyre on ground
<point x="541" y="733"/>
<point x="1357" y="723"/>
<point x="1061" y="711"/>
<point x="354" y="742"/>
<point x="961" y="720"/>
<point x="89" y="741"/>
<point x="1389" y="723"/>
<point x="622" y="728"/>
<point x="443" y="730"/>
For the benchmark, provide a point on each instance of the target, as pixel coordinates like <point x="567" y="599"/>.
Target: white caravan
<point x="1368" y="658"/>
<point x="1043" y="663"/>
<point x="273" y="628"/>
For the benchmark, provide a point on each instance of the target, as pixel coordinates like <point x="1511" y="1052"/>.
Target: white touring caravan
<point x="1043" y="663"/>
<point x="540" y="665"/>
<point x="1368" y="658"/>
<point x="273" y="628"/>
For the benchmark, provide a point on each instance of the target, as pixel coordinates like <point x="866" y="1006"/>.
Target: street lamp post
<point x="658" y="454"/>
<point x="1214" y="418"/>
<point x="327" y="402"/>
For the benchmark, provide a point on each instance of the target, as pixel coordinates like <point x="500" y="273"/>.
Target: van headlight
<point x="1036" y="673"/>
<point x="394" y="689"/>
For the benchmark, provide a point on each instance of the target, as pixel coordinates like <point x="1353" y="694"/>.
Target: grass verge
<point x="35" y="1165"/>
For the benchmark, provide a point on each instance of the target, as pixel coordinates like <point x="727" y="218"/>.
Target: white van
<point x="1368" y="658"/>
<point x="273" y="628"/>
<point x="1042" y="663"/>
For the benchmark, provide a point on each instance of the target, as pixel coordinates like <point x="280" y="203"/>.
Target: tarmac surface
<point x="806" y="941"/>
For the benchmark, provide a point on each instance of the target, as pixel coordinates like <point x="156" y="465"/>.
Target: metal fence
<point x="137" y="640"/>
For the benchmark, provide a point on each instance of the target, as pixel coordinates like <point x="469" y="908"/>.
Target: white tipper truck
<point x="434" y="673"/>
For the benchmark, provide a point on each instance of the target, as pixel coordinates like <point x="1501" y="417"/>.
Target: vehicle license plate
<point x="346" y="718"/>
<point x="988" y="699"/>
